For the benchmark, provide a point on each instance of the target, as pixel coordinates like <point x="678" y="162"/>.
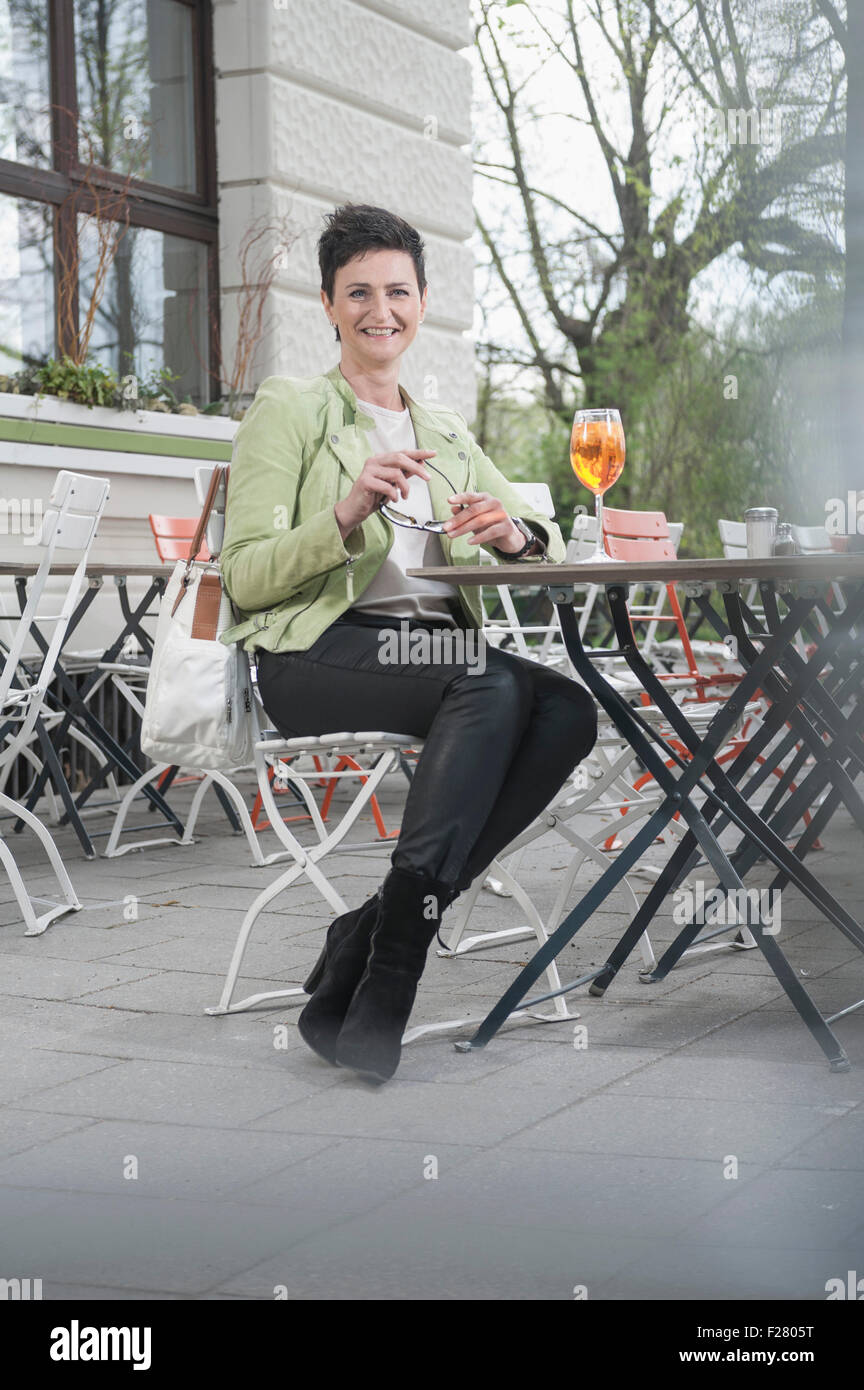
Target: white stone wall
<point x="319" y="102"/>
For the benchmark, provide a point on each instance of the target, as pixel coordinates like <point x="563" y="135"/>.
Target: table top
<point x="812" y="568"/>
<point x="26" y="568"/>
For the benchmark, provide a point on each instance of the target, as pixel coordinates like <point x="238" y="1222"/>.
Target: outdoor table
<point x="816" y="699"/>
<point x="21" y="571"/>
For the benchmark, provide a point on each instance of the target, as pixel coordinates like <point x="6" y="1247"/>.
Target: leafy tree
<point x="604" y="283"/>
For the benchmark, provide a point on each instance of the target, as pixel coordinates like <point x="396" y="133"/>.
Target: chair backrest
<point x="216" y="524"/>
<point x="646" y="536"/>
<point x="583" y="538"/>
<point x="733" y="535"/>
<point x="538" y="496"/>
<point x="69" y="523"/>
<point x="637" y="535"/>
<point x="811" y="540"/>
<point x="73" y="511"/>
<point x="173" y="536"/>
<point x="676" y="531"/>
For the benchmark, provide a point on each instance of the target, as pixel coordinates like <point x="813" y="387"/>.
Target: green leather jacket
<point x="298" y="450"/>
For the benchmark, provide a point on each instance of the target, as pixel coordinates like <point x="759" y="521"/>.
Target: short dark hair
<point x="355" y="228"/>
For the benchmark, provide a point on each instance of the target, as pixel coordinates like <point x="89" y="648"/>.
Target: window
<point x="26" y="280"/>
<point x="134" y="67"/>
<point x="25" y="93"/>
<point x="106" y="121"/>
<point x="153" y="309"/>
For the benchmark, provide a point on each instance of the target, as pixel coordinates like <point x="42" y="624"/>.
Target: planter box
<point x="149" y="457"/>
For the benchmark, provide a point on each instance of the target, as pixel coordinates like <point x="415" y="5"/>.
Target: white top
<point x="391" y="590"/>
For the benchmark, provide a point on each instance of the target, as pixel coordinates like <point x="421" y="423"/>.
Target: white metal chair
<point x="497" y="630"/>
<point x="733" y="537"/>
<point x="287" y="760"/>
<point x="386" y="751"/>
<point x="813" y="540"/>
<point x="73" y="662"/>
<point x="69" y="525"/>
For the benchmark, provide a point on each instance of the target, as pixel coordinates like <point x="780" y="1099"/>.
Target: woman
<point x="318" y="571"/>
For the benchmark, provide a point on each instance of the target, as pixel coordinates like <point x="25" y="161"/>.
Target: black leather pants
<point x="498" y="743"/>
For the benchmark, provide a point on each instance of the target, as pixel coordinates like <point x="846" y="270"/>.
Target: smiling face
<point x="376" y="306"/>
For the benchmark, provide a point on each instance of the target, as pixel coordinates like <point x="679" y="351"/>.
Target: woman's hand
<point x="486" y="518"/>
<point x="383" y="476"/>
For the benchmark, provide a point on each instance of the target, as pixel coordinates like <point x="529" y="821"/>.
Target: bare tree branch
<point x="483" y="165"/>
<point x="838" y="28"/>
<point x="553" y="391"/>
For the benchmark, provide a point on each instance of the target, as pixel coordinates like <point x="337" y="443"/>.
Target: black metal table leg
<point x="52" y="768"/>
<point x="733" y="803"/>
<point x="723" y="795"/>
<point x="676" y="791"/>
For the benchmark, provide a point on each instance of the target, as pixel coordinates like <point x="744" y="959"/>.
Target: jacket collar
<point x="430" y="427"/>
<point x="420" y="414"/>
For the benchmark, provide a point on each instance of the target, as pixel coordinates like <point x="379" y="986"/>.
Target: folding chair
<point x="49" y="719"/>
<point x="641" y="536"/>
<point x="580" y="547"/>
<point x="813" y="540"/>
<point x="600" y="786"/>
<point x="388" y="752"/>
<point x="173" y="537"/>
<point x="635" y="536"/>
<point x="627" y="536"/>
<point x="69" y="525"/>
<point x="496" y="630"/>
<point x="733" y="536"/>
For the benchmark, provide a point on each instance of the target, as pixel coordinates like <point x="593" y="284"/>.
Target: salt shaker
<point x="761" y="525"/>
<point x="784" y="541"/>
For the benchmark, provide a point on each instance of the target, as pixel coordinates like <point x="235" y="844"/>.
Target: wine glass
<point x="597" y="453"/>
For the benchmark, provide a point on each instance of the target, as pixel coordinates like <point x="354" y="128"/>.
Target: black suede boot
<point x="370" y="1040"/>
<point x="340" y="928"/>
<point x="335" y="975"/>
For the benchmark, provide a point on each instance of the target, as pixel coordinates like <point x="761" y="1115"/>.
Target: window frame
<point x="193" y="216"/>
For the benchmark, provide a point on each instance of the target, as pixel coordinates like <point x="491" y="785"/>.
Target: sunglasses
<point x="405" y="519"/>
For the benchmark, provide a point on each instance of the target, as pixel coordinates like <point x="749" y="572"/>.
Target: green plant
<point x="90" y="384"/>
<point x="159" y="385"/>
<point x="86" y="383"/>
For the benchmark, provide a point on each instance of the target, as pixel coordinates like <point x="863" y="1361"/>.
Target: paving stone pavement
<point x="683" y="1140"/>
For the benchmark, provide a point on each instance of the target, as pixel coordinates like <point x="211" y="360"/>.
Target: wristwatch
<point x="531" y="539"/>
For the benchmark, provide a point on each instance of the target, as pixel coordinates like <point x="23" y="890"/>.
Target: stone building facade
<point x="348" y="100"/>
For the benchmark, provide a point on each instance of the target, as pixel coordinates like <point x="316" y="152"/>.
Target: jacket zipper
<point x="349" y="578"/>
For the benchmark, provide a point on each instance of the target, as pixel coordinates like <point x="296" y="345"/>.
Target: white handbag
<point x="198" y="707"/>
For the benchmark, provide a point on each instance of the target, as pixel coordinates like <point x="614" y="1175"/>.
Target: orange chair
<point x="645" y="536"/>
<point x="173" y="536"/>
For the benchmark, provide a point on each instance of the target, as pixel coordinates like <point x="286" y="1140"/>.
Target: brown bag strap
<point x="218" y="472"/>
<point x="203" y="519"/>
